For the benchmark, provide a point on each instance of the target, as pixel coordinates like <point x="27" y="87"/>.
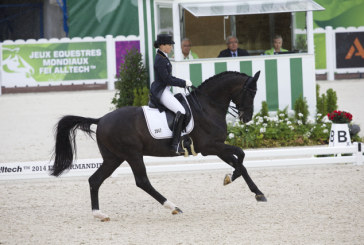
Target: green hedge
<point x="280" y="130"/>
<point x="131" y="87"/>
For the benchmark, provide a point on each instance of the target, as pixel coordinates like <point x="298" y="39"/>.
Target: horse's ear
<point x="252" y="81"/>
<point x="256" y="76"/>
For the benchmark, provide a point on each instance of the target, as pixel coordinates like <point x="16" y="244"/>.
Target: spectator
<point x="186" y="50"/>
<point x="277" y="46"/>
<point x="232" y="48"/>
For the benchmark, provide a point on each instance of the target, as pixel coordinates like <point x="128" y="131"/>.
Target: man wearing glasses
<point x="232" y="48"/>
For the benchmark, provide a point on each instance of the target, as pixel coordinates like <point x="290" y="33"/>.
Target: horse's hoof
<point x="260" y="198"/>
<point x="176" y="211"/>
<point x="101" y="216"/>
<point x="105" y="219"/>
<point x="227" y="179"/>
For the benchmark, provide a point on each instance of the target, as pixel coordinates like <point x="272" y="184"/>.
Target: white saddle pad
<point x="157" y="123"/>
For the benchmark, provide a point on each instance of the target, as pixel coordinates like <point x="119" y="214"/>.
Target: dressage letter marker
<point x="339" y="135"/>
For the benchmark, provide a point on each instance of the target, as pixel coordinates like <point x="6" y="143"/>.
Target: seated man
<point x="186" y="50"/>
<point x="232" y="48"/>
<point x="277" y="46"/>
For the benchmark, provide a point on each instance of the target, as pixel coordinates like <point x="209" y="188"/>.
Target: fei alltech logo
<point x="349" y="50"/>
<point x="17" y="169"/>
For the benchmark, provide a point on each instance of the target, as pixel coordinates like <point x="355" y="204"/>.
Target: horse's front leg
<point x="234" y="156"/>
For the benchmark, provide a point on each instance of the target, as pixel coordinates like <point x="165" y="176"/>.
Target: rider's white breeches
<point x="169" y="101"/>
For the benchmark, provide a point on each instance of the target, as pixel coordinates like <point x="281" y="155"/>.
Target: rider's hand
<point x="188" y="83"/>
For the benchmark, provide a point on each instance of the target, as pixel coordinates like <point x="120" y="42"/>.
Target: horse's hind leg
<point x="107" y="168"/>
<point x="141" y="179"/>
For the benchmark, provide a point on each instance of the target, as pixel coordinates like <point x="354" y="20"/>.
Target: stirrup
<point x="178" y="149"/>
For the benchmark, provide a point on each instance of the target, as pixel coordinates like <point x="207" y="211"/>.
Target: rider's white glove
<point x="188" y="83"/>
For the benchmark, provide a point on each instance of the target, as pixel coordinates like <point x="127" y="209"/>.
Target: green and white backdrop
<point x="282" y="79"/>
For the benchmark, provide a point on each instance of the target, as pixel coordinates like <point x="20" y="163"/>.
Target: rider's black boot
<point x="177" y="128"/>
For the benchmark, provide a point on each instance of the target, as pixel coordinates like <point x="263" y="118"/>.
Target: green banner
<point x="102" y="17"/>
<point x="339" y="13"/>
<point x="54" y="62"/>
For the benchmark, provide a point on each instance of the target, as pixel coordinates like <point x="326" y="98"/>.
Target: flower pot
<point x="339" y="135"/>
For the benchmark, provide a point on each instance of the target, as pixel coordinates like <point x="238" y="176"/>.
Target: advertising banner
<point x="30" y="64"/>
<point x="339" y="13"/>
<point x="42" y="169"/>
<point x="349" y="50"/>
<point x="121" y="49"/>
<point x="100" y="18"/>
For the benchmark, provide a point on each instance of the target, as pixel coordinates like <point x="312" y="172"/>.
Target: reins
<point x="193" y="90"/>
<point x="193" y="97"/>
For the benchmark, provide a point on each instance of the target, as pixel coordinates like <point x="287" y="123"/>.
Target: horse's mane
<point x="218" y="76"/>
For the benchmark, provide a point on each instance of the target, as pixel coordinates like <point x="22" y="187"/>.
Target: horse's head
<point x="245" y="103"/>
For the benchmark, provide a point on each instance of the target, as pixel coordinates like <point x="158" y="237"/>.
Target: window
<point x="253" y="22"/>
<point x="164" y="19"/>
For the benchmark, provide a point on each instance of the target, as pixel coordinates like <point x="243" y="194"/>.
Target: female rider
<point x="161" y="87"/>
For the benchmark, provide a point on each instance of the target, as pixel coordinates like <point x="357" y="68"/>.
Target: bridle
<point x="239" y="109"/>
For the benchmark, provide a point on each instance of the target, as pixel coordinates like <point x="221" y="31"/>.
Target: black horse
<point x="122" y="135"/>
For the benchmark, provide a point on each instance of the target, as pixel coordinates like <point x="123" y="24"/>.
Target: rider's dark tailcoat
<point x="163" y="76"/>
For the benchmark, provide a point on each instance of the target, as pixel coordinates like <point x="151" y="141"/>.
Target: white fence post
<point x="111" y="62"/>
<point x="176" y="33"/>
<point x="330" y="53"/>
<point x="309" y="28"/>
<point x="359" y="153"/>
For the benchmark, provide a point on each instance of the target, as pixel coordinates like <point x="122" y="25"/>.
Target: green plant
<point x="264" y="111"/>
<point x="132" y="82"/>
<point x="326" y="102"/>
<point x="301" y="110"/>
<point x="141" y="96"/>
<point x="321" y="106"/>
<point x="278" y="130"/>
<point x="331" y="100"/>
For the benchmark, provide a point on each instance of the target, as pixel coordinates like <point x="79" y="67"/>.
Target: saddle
<point x="170" y="114"/>
<point x="160" y="123"/>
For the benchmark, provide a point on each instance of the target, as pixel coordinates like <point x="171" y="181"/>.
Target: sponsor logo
<point x="11" y="170"/>
<point x="349" y="49"/>
<point x="355" y="49"/>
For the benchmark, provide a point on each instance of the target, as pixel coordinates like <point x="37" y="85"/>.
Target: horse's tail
<point x="65" y="146"/>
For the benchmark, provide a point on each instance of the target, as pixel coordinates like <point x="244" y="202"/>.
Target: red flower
<point x="340" y="116"/>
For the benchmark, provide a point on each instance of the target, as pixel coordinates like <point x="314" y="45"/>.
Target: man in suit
<point x="232" y="48"/>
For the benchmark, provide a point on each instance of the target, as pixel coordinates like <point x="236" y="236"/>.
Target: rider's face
<point x="166" y="48"/>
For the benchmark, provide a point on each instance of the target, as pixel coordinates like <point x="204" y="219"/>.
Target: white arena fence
<point x="270" y="157"/>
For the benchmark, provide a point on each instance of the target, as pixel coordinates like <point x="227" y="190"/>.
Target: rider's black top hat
<point x="163" y="39"/>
